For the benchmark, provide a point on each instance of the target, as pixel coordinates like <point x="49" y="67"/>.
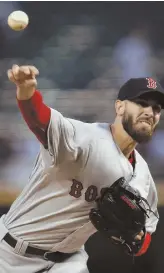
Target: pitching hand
<point x="24" y="78"/>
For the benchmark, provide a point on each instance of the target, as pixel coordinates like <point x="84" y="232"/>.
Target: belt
<point x="57" y="256"/>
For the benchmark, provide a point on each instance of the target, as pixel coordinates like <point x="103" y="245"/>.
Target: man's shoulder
<point x="96" y="128"/>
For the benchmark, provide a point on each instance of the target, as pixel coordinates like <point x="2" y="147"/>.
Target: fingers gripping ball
<point x="18" y="20"/>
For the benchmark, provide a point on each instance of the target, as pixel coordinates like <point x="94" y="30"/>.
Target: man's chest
<point x="105" y="165"/>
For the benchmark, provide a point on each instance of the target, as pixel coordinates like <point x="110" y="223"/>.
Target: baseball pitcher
<point x="86" y="177"/>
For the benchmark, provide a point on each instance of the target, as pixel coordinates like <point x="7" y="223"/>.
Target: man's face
<point x="140" y="119"/>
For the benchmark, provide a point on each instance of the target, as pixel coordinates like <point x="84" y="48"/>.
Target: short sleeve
<point x="61" y="138"/>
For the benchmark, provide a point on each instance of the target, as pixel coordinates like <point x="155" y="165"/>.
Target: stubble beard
<point x="140" y="136"/>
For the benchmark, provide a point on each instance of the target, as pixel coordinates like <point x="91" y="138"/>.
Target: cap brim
<point x="157" y="95"/>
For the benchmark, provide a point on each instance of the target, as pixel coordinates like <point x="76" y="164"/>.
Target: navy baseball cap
<point x="148" y="88"/>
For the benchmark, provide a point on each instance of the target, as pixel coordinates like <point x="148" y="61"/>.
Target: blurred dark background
<point x="84" y="52"/>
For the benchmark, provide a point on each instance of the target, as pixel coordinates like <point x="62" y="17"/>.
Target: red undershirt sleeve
<point x="145" y="245"/>
<point x="37" y="116"/>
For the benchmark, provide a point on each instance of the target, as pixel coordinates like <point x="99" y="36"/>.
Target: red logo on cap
<point x="151" y="83"/>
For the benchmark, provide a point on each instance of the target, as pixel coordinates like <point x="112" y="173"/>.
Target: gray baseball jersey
<point x="52" y="210"/>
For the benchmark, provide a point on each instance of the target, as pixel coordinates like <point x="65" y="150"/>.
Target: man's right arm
<point x="34" y="111"/>
<point x="53" y="130"/>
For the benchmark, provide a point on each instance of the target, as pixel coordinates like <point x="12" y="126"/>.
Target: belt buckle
<point x="45" y="255"/>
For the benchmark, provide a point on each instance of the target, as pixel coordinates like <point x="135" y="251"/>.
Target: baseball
<point x="18" y="20"/>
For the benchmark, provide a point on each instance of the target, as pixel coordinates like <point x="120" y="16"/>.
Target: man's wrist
<point x="24" y="94"/>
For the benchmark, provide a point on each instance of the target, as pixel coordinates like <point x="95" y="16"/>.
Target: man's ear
<point x="119" y="107"/>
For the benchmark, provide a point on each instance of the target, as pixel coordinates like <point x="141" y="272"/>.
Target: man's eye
<point x="157" y="108"/>
<point x="142" y="103"/>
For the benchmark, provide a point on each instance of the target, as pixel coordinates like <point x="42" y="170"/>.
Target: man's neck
<point x="122" y="139"/>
